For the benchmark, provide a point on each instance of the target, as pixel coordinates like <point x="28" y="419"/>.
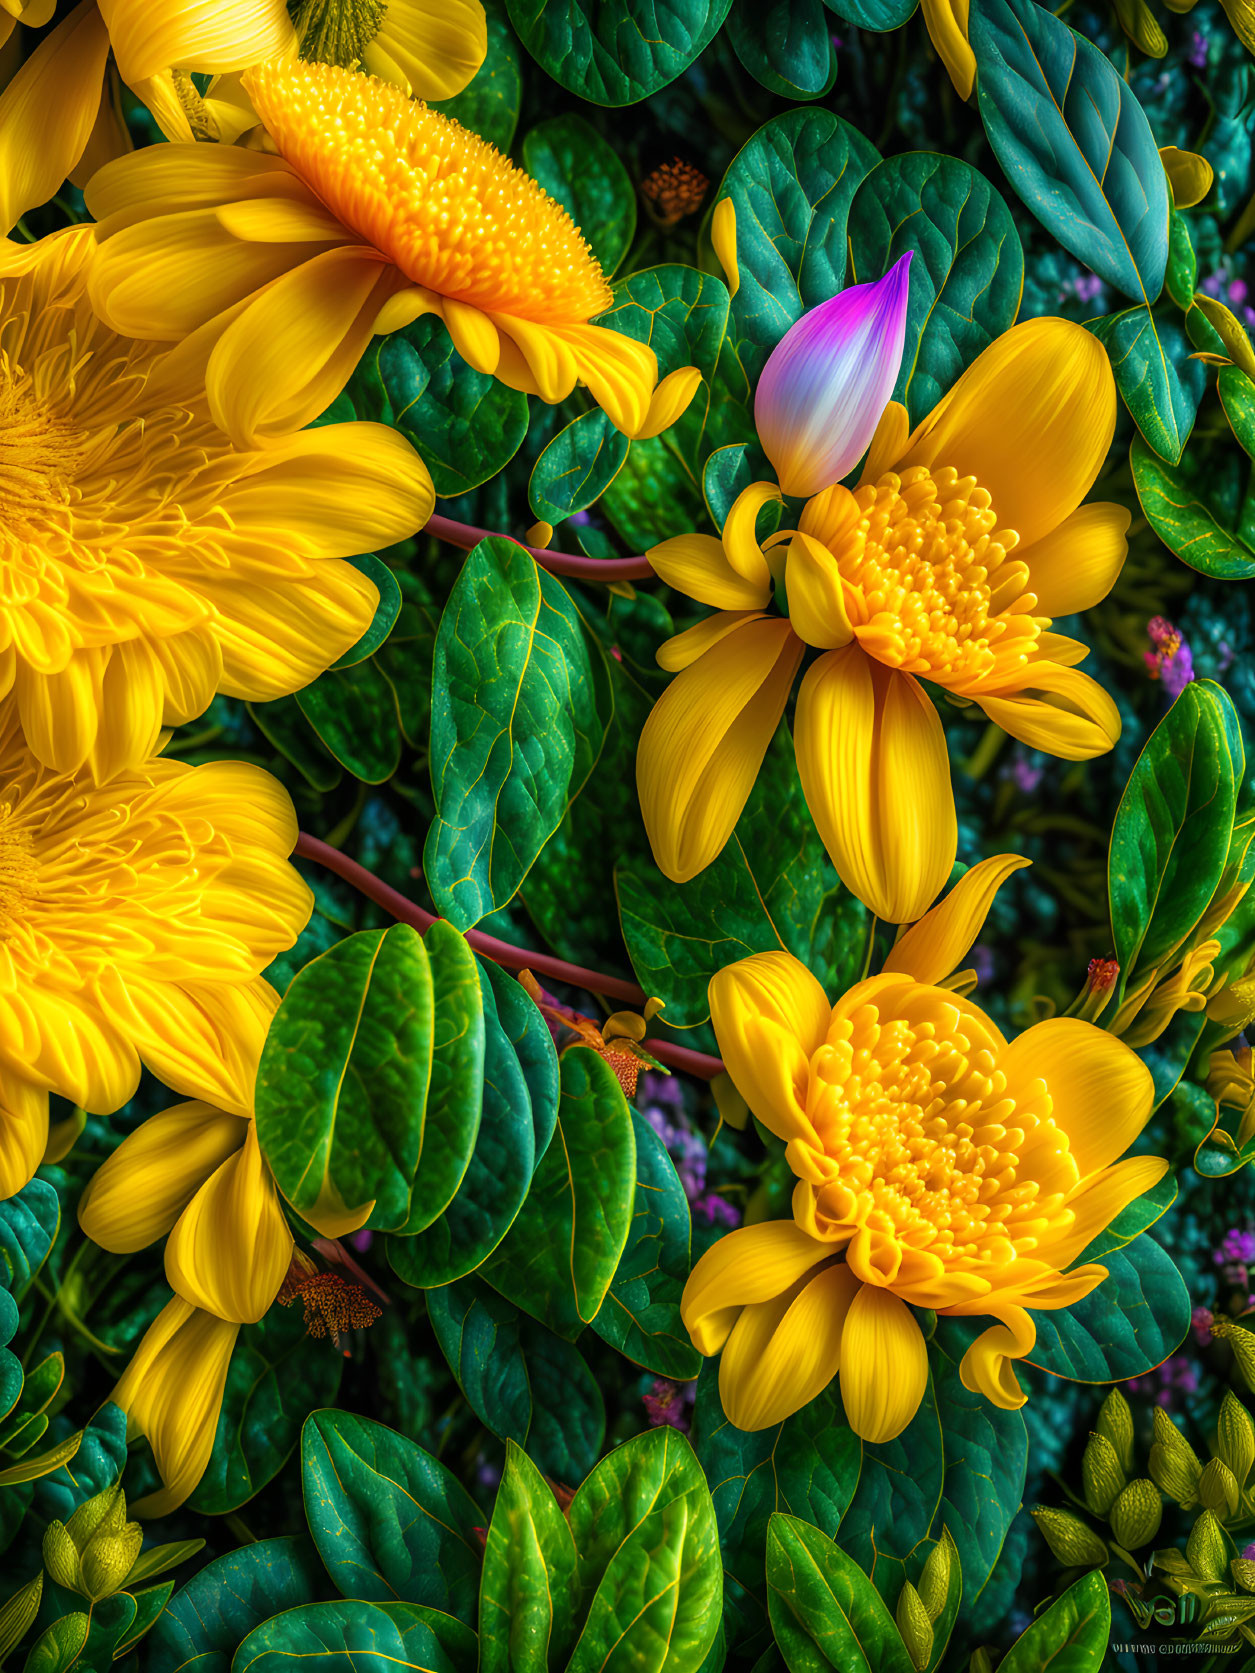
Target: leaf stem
<point x="501" y="952"/>
<point x="605" y="570"/>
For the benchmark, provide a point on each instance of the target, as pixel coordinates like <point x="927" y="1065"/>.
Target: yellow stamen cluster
<point x="440" y="203"/>
<point x="934" y="591"/>
<point x="921" y="1146"/>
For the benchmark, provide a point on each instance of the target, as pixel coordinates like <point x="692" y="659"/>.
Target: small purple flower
<point x="362" y="1240"/>
<point x="981" y="960"/>
<point x="1213" y="284"/>
<point x="1197" y="54"/>
<point x="829" y="379"/>
<point x="1200" y="1320"/>
<point x="1026" y="773"/>
<point x="715" y="1209"/>
<point x="1171" y="660"/>
<point x="1248" y="1551"/>
<point x="669" y="1403"/>
<point x="1237" y="1247"/>
<point x="1088" y="287"/>
<point x="1238" y="292"/>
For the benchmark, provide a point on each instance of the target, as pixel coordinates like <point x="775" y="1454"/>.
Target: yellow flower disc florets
<point x="442" y="204"/>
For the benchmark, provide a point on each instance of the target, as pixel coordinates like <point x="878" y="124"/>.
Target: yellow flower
<point x="148" y="563"/>
<point x="428" y="48"/>
<point x="373" y="211"/>
<point x="938" y="1166"/>
<point x="135" y="921"/>
<point x="946" y="564"/>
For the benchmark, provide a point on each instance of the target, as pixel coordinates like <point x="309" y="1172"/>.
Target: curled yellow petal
<point x="740" y="537"/>
<point x="934" y="947"/>
<point x="1076" y="566"/>
<point x="749" y="1265"/>
<point x="884" y="1365"/>
<point x="138" y="1193"/>
<point x="770" y="1016"/>
<point x="1058" y="710"/>
<point x="946" y="21"/>
<point x="697" y="565"/>
<point x="723" y="238"/>
<point x="685" y="649"/>
<point x="986" y="1367"/>
<point x="812" y="579"/>
<point x="1189" y="175"/>
<point x="782" y="1353"/>
<point x="431" y="49"/>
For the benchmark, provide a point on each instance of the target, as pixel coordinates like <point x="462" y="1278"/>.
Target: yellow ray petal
<point x="704" y="742"/>
<point x="872" y="758"/>
<point x="1073" y="717"/>
<point x="1101" y="1092"/>
<point x="986" y="1366"/>
<point x="230" y="1251"/>
<point x="48" y="112"/>
<point x="138" y="1193"/>
<point x="946" y="22"/>
<point x="751" y="1264"/>
<point x="685" y="649"/>
<point x="783" y="1353"/>
<point x="697" y="565"/>
<point x="884" y="1365"/>
<point x="1076" y="566"/>
<point x="23" y="1133"/>
<point x="431" y="48"/>
<point x="812" y="579"/>
<point x="770" y="1015"/>
<point x="1099" y="1198"/>
<point x="888" y="443"/>
<point x="1031" y="419"/>
<point x="183" y="177"/>
<point x="212" y="36"/>
<point x="934" y="947"/>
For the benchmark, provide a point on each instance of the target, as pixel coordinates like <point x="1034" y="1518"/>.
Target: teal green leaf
<point x="58" y="1648"/>
<point x="900" y="1489"/>
<point x="1237" y="397"/>
<point x="489" y="105"/>
<point x="682" y="315"/>
<point x="149" y="1606"/>
<point x="825" y="1612"/>
<point x="641" y="1313"/>
<point x="880" y="15"/>
<point x="728" y="471"/>
<point x="1136" y="1317"/>
<point x="112" y="1621"/>
<point x="283" y="725"/>
<point x="206" y="1621"/>
<point x="584" y="173"/>
<point x="517" y="726"/>
<point x="1137" y="1217"/>
<point x="529" y="1595"/>
<point x="528" y="1033"/>
<point x="648" y="1552"/>
<point x="1069" y="1637"/>
<point x="1204" y="511"/>
<point x="785" y="44"/>
<point x="28" y="1229"/>
<point x="967" y="265"/>
<point x="368" y="1637"/>
<point x="390" y="1521"/>
<point x="577" y="467"/>
<point x="522" y="1382"/>
<point x="386" y="611"/>
<point x="1073" y="141"/>
<point x="563" y="1251"/>
<point x="1170" y="839"/>
<point x="354" y="713"/>
<point x="1158" y="382"/>
<point x="616" y="52"/>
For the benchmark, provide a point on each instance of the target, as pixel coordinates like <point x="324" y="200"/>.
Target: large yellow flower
<point x="147" y="564"/>
<point x="135" y="921"/>
<point x="938" y="1165"/>
<point x="374" y="210"/>
<point x="945" y="564"/>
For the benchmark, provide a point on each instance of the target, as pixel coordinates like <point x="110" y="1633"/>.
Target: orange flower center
<point x="437" y="201"/>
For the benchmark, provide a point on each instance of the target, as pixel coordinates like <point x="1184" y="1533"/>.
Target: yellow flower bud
<point x="1136" y="1514"/>
<point x="104" y="1513"/>
<point x="934" y="1581"/>
<point x="915" y="1627"/>
<point x="1069" y="1538"/>
<point x="1235" y="1438"/>
<point x="1243" y="1571"/>
<point x="1174" y="1464"/>
<point x="18" y="1613"/>
<point x="61" y="1556"/>
<point x="108" y="1560"/>
<point x="1206" y="1550"/>
<point x="1101" y="1475"/>
<point x="1218" y="1489"/>
<point x="980" y="1662"/>
<point x="1115" y="1423"/>
<point x="1242" y="1341"/>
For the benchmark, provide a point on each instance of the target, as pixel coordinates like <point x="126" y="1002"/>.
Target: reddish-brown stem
<point x="557" y="563"/>
<point x="405" y="911"/>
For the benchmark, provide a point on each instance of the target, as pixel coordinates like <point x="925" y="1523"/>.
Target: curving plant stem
<point x="557" y="563"/>
<point x="501" y="952"/>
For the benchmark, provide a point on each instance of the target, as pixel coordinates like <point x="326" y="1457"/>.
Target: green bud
<point x="108" y="1560"/>
<point x="934" y="1581"/>
<point x="1174" y="1464"/>
<point x="1206" y="1550"/>
<point x="1115" y="1424"/>
<point x="61" y="1556"/>
<point x="1235" y="1438"/>
<point x="1243" y="1571"/>
<point x="1069" y="1538"/>
<point x="105" y="1513"/>
<point x="980" y="1662"/>
<point x="1101" y="1476"/>
<point x="1218" y="1489"/>
<point x="1136" y="1514"/>
<point x="915" y="1627"/>
<point x="18" y="1613"/>
<point x="1242" y="1341"/>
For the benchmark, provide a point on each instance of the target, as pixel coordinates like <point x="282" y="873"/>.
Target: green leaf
<point x="354" y="713"/>
<point x="785" y="44"/>
<point x="900" y="1490"/>
<point x="390" y="1521"/>
<point x="529" y="1594"/>
<point x="880" y="15"/>
<point x="1136" y="1317"/>
<point x="577" y="467"/>
<point x="648" y="1553"/>
<point x="578" y="168"/>
<point x="97" y="1464"/>
<point x="1073" y="141"/>
<point x="386" y="611"/>
<point x="368" y="1637"/>
<point x="1134" y="1219"/>
<point x="282" y="724"/>
<point x="208" y="1618"/>
<point x="1170" y="839"/>
<point x="1237" y="397"/>
<point x="1158" y="382"/>
<point x="528" y="1033"/>
<point x="641" y="1313"/>
<point x="808" y="1466"/>
<point x="524" y="1383"/>
<point x="1182" y="273"/>
<point x="58" y="1648"/>
<point x="563" y="1251"/>
<point x="28" y="1229"/>
<point x="112" y="1621"/>
<point x="1069" y="1637"/>
<point x="342" y="1086"/>
<point x="277" y="1375"/>
<point x="967" y="266"/>
<point x="792" y="185"/>
<point x="489" y="105"/>
<point x="655" y="496"/>
<point x="825" y="1612"/>
<point x="516" y="727"/>
<point x="616" y="52"/>
<point x="149" y="1605"/>
<point x="1204" y="511"/>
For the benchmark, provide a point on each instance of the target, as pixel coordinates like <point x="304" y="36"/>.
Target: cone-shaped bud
<point x="1069" y="1538"/>
<point x="108" y="1560"/>
<point x="1242" y="1341"/>
<point x="1174" y="1464"/>
<point x="981" y="1662"/>
<point x="104" y="1513"/>
<point x="1206" y="1550"/>
<point x="934" y="1581"/>
<point x="914" y="1626"/>
<point x="1101" y="1475"/>
<point x="61" y="1556"/>
<point x="1235" y="1438"/>
<point x="1218" y="1489"/>
<point x="1136" y="1514"/>
<point x="828" y="380"/>
<point x="1115" y="1421"/>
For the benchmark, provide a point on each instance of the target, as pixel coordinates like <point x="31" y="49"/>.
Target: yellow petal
<point x="1189" y="175"/>
<point x="109" y="138"/>
<point x="23" y="1133"/>
<point x="751" y="1264"/>
<point x="230" y="1251"/>
<point x="670" y="401"/>
<point x="888" y="443"/>
<point x="1076" y="567"/>
<point x="48" y="112"/>
<point x="685" y="649"/>
<point x="132" y="708"/>
<point x="946" y="21"/>
<point x="431" y="48"/>
<point x="1031" y="419"/>
<point x="986" y="1366"/>
<point x="1073" y="717"/>
<point x="621" y="373"/>
<point x="872" y="758"/>
<point x="884" y="1365"/>
<point x="183" y="177"/>
<point x="704" y="742"/>
<point x="212" y="36"/>
<point x="136" y="1196"/>
<point x="1099" y="1198"/>
<point x="740" y="536"/>
<point x="770" y="1015"/>
<point x="934" y="947"/>
<point x="783" y="1353"/>
<point x="723" y="239"/>
<point x="1101" y="1092"/>
<point x="812" y="580"/>
<point x="696" y="564"/>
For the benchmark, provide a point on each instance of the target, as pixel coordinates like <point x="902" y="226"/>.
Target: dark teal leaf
<point x="97" y="1464"/>
<point x="1158" y="382"/>
<point x="367" y="1637"/>
<point x="28" y="1229"/>
<point x="577" y="467"/>
<point x="1136" y="1317"/>
<point x="1203" y="510"/>
<point x="785" y="44"/>
<point x="583" y="172"/>
<point x="880" y="15"/>
<point x="354" y="713"/>
<point x="206" y="1621"/>
<point x="490" y="104"/>
<point x="1070" y="1637"/>
<point x="528" y="1033"/>
<point x="282" y="724"/>
<point x="825" y="1612"/>
<point x="386" y="611"/>
<point x="899" y="1491"/>
<point x="615" y="52"/>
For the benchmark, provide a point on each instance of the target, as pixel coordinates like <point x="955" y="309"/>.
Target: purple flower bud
<point x="829" y="379"/>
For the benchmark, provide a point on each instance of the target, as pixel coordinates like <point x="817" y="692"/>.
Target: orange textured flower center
<point x="440" y="203"/>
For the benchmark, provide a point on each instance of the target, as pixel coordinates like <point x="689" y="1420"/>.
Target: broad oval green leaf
<point x="208" y="1618"/>
<point x="826" y="1614"/>
<point x="616" y="52"/>
<point x="1158" y="382"/>
<point x="577" y="467"/>
<point x="900" y="1489"/>
<point x="786" y="45"/>
<point x="1202" y="510"/>
<point x="368" y="1637"/>
<point x="879" y="15"/>
<point x="1136" y="1317"/>
<point x="585" y="174"/>
<point x="1073" y="141"/>
<point x="529" y="1595"/>
<point x="1071" y="1636"/>
<point x="354" y="713"/>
